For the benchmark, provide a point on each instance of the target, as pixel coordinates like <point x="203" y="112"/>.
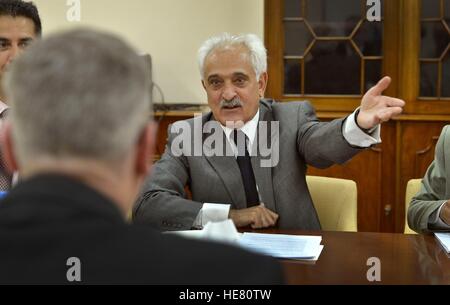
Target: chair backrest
<point x="412" y="188"/>
<point x="335" y="201"/>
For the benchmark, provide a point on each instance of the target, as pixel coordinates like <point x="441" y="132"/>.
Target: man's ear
<point x="262" y="83"/>
<point x="145" y="149"/>
<point x="7" y="148"/>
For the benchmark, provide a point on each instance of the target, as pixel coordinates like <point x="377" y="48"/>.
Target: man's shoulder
<point x="287" y="106"/>
<point x="444" y="138"/>
<point x="443" y="142"/>
<point x="287" y="111"/>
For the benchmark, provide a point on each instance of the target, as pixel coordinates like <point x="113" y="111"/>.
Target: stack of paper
<point x="283" y="246"/>
<point x="276" y="245"/>
<point x="444" y="239"/>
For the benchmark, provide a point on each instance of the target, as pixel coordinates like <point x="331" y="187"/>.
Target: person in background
<point x="20" y="25"/>
<point x="429" y="210"/>
<point x="234" y="75"/>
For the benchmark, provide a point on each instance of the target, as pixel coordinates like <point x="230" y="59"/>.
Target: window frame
<point x="401" y="53"/>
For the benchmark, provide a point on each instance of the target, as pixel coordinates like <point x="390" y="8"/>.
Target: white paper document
<point x="444" y="240"/>
<point x="276" y="245"/>
<point x="224" y="231"/>
<point x="283" y="246"/>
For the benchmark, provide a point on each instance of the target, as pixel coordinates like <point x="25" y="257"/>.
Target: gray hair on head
<point x="81" y="94"/>
<point x="257" y="51"/>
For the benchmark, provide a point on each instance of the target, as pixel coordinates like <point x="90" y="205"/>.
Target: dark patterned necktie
<point x="245" y="165"/>
<point x="5" y="177"/>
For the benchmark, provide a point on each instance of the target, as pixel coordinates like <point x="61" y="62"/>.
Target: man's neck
<point x="249" y="128"/>
<point x="96" y="176"/>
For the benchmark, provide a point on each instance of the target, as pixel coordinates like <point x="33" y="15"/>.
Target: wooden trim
<point x="274" y="39"/>
<point x="400" y="118"/>
<point x="325" y="114"/>
<point x="399" y="192"/>
<point x="423" y="117"/>
<point x="410" y="40"/>
<point x="391" y="45"/>
<point x="176" y="113"/>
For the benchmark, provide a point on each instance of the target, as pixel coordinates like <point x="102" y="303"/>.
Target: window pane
<point x="446" y="76"/>
<point x="430" y="9"/>
<point x="428" y="79"/>
<point x="332" y="67"/>
<point x="292" y="8"/>
<point x="369" y="38"/>
<point x="333" y="18"/>
<point x="435" y="39"/>
<point x="297" y="38"/>
<point x="292" y="76"/>
<point x="372" y="73"/>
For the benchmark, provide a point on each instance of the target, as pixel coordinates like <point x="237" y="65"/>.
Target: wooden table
<point x="404" y="259"/>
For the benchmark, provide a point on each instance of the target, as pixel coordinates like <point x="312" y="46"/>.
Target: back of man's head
<point x="19" y="8"/>
<point x="77" y="95"/>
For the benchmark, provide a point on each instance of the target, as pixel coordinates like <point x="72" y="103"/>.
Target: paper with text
<point x="283" y="246"/>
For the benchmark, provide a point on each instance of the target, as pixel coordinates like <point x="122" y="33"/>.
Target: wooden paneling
<point x="164" y="120"/>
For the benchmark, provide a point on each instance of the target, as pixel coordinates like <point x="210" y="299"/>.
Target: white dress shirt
<point x="352" y="133"/>
<point x="3" y="108"/>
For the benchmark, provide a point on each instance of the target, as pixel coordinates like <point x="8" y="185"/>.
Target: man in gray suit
<point x="246" y="186"/>
<point x="430" y="209"/>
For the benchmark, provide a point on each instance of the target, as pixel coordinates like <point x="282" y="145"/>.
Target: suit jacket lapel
<point x="263" y="175"/>
<point x="227" y="169"/>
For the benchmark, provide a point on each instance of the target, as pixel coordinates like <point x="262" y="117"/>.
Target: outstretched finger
<point x="386" y="114"/>
<point x="382" y="85"/>
<point x="393" y="102"/>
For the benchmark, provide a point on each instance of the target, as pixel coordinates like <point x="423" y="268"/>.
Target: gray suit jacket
<point x="435" y="188"/>
<point x="216" y="179"/>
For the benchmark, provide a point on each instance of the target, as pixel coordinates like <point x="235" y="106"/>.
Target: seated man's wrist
<point x="366" y="130"/>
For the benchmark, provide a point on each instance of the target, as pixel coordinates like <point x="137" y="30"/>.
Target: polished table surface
<point x="404" y="259"/>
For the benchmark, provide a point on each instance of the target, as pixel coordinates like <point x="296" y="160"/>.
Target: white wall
<point x="170" y="30"/>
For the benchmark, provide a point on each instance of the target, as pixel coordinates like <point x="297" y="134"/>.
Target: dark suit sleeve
<point x="322" y="144"/>
<point x="162" y="203"/>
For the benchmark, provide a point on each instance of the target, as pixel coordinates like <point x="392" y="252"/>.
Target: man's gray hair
<point x="258" y="53"/>
<point x="79" y="94"/>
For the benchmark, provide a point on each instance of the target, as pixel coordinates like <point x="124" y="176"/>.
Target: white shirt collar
<point x="3" y="107"/>
<point x="249" y="129"/>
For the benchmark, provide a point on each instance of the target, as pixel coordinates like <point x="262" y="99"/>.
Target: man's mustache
<point x="236" y="102"/>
